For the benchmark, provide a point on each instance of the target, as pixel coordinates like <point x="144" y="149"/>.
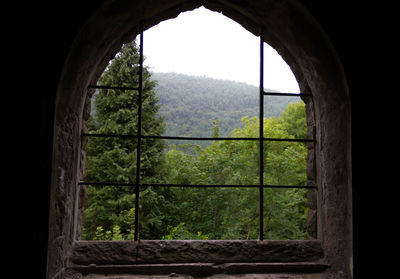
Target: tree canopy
<point x="114" y="159"/>
<point x="190" y="212"/>
<point x="190" y="104"/>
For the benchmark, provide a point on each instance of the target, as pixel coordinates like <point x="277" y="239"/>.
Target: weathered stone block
<point x="192" y="251"/>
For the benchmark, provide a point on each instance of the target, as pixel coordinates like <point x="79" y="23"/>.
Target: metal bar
<point x="194" y="138"/>
<point x="287" y="94"/>
<point x="229" y="186"/>
<point x="197" y="185"/>
<point x="261" y="139"/>
<point x="106" y="183"/>
<point x="164" y="137"/>
<point x="109" y="135"/>
<point x="113" y="87"/>
<point x="197" y="138"/>
<point x="227" y="138"/>
<point x="139" y="128"/>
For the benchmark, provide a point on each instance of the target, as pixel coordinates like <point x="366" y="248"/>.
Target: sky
<point x="206" y="43"/>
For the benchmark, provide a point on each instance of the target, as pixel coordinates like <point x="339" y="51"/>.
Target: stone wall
<point x="297" y="38"/>
<point x="311" y="169"/>
<point x="192" y="251"/>
<point x="197" y="258"/>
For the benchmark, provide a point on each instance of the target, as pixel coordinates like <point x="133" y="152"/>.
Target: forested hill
<point x="191" y="104"/>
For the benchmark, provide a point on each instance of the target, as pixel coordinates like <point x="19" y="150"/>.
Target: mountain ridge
<point x="191" y="104"/>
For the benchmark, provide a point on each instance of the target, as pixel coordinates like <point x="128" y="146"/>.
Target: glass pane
<point x="198" y="81"/>
<point x="285" y="163"/>
<point x="285" y="214"/>
<point x="274" y="106"/>
<point x="180" y="213"/>
<point x="110" y="160"/>
<point x="216" y="162"/>
<point x="109" y="213"/>
<point x="196" y="106"/>
<point x="201" y="212"/>
<point x="277" y="73"/>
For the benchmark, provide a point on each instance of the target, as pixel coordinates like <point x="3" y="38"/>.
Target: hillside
<point x="190" y="104"/>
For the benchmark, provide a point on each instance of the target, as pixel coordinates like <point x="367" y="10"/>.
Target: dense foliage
<point x="190" y="213"/>
<point x="114" y="159"/>
<point x="191" y="104"/>
<point x="232" y="213"/>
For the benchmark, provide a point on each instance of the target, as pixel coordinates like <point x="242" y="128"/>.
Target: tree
<point x="113" y="159"/>
<point x="232" y="213"/>
<point x="189" y="213"/>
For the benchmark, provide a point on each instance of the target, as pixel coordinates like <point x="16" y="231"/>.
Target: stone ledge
<point x="216" y="276"/>
<point x="193" y="251"/>
<point x="203" y="269"/>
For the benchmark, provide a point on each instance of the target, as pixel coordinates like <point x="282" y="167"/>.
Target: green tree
<point x="189" y="213"/>
<point x="294" y="122"/>
<point x="112" y="159"/>
<point x="232" y="213"/>
<point x="285" y="210"/>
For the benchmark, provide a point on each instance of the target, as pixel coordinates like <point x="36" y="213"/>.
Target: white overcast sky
<point x="206" y="43"/>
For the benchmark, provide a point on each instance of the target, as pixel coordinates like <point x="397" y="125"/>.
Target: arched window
<point x="320" y="79"/>
<point x="234" y="166"/>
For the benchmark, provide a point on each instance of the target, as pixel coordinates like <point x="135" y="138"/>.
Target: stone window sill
<point x="193" y="257"/>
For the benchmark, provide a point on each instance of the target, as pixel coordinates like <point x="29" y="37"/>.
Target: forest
<point x="201" y="107"/>
<point x="190" y="105"/>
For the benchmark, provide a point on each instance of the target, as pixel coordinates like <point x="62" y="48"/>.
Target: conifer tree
<point x="114" y="159"/>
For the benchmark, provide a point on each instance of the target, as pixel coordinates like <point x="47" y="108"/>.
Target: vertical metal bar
<point x="139" y="127"/>
<point x="261" y="138"/>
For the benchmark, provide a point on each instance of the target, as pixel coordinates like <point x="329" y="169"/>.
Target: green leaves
<point x="229" y="213"/>
<point x="180" y="232"/>
<point x="188" y="212"/>
<point x="114" y="159"/>
<point x="191" y="104"/>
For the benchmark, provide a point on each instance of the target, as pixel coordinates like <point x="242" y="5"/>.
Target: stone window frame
<point x="309" y="141"/>
<point x="302" y="43"/>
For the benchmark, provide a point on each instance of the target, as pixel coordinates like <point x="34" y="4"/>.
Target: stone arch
<point x="297" y="37"/>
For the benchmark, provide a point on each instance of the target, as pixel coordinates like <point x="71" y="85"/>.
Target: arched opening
<point x="205" y="56"/>
<point x="298" y="39"/>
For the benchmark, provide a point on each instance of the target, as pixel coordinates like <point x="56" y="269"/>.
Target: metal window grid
<point x="261" y="139"/>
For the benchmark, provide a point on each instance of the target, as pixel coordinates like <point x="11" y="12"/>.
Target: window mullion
<point x="139" y="129"/>
<point x="196" y="138"/>
<point x="137" y="183"/>
<point x="261" y="138"/>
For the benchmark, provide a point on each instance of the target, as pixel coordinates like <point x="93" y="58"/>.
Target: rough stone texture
<point x="68" y="273"/>
<point x="174" y="251"/>
<point x="217" y="276"/>
<point x="311" y="164"/>
<point x="64" y="197"/>
<point x="203" y="269"/>
<point x="291" y="31"/>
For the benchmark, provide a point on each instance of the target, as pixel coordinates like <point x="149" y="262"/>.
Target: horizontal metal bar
<point x="109" y="135"/>
<point x="287" y="94"/>
<point x="164" y="137"/>
<point x="113" y="87"/>
<point x="194" y="138"/>
<point x="195" y="185"/>
<point x="229" y="186"/>
<point x="200" y="185"/>
<point x="106" y="183"/>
